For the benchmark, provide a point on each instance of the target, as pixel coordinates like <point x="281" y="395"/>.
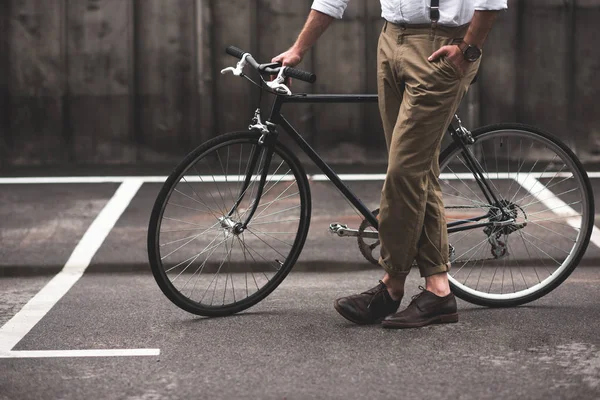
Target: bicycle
<point x="512" y="239"/>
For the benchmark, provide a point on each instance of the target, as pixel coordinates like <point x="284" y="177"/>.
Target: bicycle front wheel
<point x="200" y="258"/>
<point x="524" y="243"/>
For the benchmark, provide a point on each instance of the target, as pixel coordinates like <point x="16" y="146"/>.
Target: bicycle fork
<point x="261" y="156"/>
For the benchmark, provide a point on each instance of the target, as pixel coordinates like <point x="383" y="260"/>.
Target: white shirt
<point x="452" y="12"/>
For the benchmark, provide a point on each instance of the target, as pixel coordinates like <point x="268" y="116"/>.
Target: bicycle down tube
<point x="279" y="119"/>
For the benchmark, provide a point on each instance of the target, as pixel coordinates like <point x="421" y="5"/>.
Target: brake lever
<point x="239" y="69"/>
<point x="278" y="85"/>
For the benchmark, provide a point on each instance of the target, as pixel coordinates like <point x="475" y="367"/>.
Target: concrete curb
<point x="136" y="268"/>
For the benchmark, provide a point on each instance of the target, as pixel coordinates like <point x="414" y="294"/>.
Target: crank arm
<point x="344" y="231"/>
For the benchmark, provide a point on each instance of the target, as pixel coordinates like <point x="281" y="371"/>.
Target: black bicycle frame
<point x="455" y="130"/>
<point x="279" y="119"/>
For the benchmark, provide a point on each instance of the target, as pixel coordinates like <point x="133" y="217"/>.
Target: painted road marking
<point x="238" y="178"/>
<point x="162" y="179"/>
<point x="80" y="353"/>
<point x="18" y="326"/>
<point x="559" y="207"/>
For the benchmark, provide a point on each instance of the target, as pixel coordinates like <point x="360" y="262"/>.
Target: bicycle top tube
<point x="330" y="98"/>
<point x="279" y="87"/>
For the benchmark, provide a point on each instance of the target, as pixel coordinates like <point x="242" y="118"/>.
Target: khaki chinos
<point x="417" y="101"/>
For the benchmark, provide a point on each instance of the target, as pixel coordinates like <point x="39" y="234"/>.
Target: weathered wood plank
<point x="543" y="60"/>
<point x="99" y="80"/>
<point x="98" y="55"/>
<point x="340" y="64"/>
<point x="498" y="77"/>
<point x="165" y="35"/>
<point x="36" y="81"/>
<point x="278" y="25"/>
<point x="586" y="109"/>
<point x="372" y="136"/>
<point x="5" y="134"/>
<point x="205" y="128"/>
<point x="233" y="24"/>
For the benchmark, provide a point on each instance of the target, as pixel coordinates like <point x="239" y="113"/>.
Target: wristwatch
<point x="471" y="52"/>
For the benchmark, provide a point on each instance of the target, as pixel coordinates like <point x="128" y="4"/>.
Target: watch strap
<point x="463" y="46"/>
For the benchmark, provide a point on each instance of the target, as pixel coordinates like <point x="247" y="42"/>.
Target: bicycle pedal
<point x="338" y="229"/>
<point x="343" y="231"/>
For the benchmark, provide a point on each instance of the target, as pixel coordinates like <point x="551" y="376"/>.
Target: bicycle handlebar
<point x="235" y="52"/>
<point x="271" y="69"/>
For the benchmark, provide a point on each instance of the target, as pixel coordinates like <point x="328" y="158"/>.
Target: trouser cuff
<point x="392" y="272"/>
<point x="434" y="270"/>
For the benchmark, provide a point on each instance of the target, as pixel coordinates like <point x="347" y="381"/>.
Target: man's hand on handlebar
<point x="283" y="73"/>
<point x="290" y="58"/>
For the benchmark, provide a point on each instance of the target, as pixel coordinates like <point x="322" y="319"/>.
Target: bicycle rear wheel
<point x="201" y="262"/>
<point x="543" y="188"/>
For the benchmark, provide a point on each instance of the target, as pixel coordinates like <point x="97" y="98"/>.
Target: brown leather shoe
<point x="425" y="309"/>
<point x="369" y="307"/>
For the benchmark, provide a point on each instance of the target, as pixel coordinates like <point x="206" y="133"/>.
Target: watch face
<point x="472" y="54"/>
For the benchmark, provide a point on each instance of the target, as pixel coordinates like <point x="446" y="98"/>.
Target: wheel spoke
<point x="278" y="212"/>
<point x="213" y="212"/>
<point x="254" y="231"/>
<point x="274" y="221"/>
<point x="463" y="182"/>
<point x="245" y="249"/>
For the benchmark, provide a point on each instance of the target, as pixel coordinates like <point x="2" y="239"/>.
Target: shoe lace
<point x="416" y="296"/>
<point x="375" y="291"/>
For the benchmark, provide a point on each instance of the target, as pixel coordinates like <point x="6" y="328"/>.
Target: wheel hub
<point x="504" y="211"/>
<point x="231" y="226"/>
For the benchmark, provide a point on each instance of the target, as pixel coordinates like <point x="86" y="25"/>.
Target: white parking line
<point x="559" y="207"/>
<point x="20" y="325"/>
<point x="238" y="178"/>
<point x="80" y="353"/>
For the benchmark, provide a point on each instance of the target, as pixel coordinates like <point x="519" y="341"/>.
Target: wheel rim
<point x="201" y="253"/>
<point x="540" y="186"/>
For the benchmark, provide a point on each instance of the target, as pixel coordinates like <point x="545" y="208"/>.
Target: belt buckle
<point x="434" y="20"/>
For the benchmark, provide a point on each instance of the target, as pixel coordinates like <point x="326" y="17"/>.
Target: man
<point x="428" y="54"/>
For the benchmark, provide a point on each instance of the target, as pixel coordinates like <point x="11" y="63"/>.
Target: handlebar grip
<point x="235" y="52"/>
<point x="301" y="75"/>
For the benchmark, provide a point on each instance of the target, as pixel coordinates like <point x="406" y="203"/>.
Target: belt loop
<point x="434" y="25"/>
<point x="385" y="26"/>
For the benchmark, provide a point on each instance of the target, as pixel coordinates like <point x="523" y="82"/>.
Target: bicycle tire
<point x="156" y="219"/>
<point x="587" y="217"/>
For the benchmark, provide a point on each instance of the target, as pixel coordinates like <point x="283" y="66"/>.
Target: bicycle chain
<point x="367" y="249"/>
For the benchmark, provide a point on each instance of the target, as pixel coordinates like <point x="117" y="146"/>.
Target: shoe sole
<point x="340" y="311"/>
<point x="441" y="319"/>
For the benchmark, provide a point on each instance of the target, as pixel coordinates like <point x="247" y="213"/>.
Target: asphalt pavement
<point x="291" y="345"/>
<point x="294" y="345"/>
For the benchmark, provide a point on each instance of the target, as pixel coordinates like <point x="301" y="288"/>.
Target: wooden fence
<point x="137" y="81"/>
